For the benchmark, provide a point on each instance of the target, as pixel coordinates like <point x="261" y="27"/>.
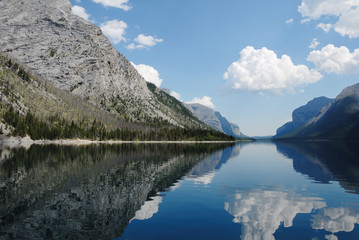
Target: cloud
<point x="261" y="70"/>
<point x="175" y="95"/>
<point x="261" y="212"/>
<point x="134" y="46"/>
<point x="348" y="23"/>
<point x="149" y="74"/>
<point x="289" y="21"/>
<point x="81" y="12"/>
<point x="325" y="27"/>
<point x="115" y="30"/>
<point x="339" y="60"/>
<point x="122" y="4"/>
<point x="314" y="44"/>
<point x="148" y="41"/>
<point x="205" y="101"/>
<point x="144" y="41"/>
<point x="346" y="12"/>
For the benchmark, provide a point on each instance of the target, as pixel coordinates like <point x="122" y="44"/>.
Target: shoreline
<point x="27" y="142"/>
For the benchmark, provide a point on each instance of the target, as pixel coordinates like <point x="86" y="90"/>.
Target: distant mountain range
<point x="339" y="119"/>
<point x="214" y="119"/>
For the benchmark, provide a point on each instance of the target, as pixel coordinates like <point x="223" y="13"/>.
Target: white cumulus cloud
<point x="149" y="74"/>
<point x="261" y="70"/>
<point x="325" y="27"/>
<point x="143" y="41"/>
<point x="339" y="60"/>
<point x="348" y="23"/>
<point x="148" y="41"/>
<point x="175" y="95"/>
<point x="115" y="30"/>
<point x="122" y="4"/>
<point x="205" y="101"/>
<point x="134" y="46"/>
<point x="314" y="44"/>
<point x="81" y="12"/>
<point x="346" y="12"/>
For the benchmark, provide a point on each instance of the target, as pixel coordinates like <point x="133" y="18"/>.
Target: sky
<point x="253" y="61"/>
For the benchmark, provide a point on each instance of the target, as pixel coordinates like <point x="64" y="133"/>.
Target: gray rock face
<point x="338" y="120"/>
<point x="74" y="55"/>
<point x="303" y="115"/>
<point x="214" y="119"/>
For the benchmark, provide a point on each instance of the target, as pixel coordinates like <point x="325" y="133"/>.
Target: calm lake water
<point x="252" y="191"/>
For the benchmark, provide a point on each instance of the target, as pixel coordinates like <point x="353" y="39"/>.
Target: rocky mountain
<point x="214" y="119"/>
<point x="302" y="115"/>
<point x="73" y="55"/>
<point x="338" y="120"/>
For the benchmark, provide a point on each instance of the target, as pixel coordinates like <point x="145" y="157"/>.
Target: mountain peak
<point x="74" y="55"/>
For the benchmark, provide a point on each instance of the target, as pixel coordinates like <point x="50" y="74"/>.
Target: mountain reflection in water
<point x="86" y="192"/>
<point x="264" y="190"/>
<point x="325" y="161"/>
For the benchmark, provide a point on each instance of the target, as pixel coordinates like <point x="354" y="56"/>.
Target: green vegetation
<point x="174" y="107"/>
<point x="57" y="128"/>
<point x="33" y="107"/>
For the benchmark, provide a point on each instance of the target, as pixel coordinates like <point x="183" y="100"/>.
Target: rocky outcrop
<point x="74" y="55"/>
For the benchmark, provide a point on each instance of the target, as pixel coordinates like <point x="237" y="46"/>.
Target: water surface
<point x="287" y="190"/>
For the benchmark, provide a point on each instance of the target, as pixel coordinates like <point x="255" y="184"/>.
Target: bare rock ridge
<point x="74" y="55"/>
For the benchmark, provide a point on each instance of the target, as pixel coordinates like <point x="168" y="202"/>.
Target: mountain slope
<point x="25" y="92"/>
<point x="214" y="119"/>
<point x="74" y="55"/>
<point x="302" y="115"/>
<point x="339" y="120"/>
<point x="30" y="106"/>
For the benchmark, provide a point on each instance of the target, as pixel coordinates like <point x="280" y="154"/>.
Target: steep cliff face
<point x="303" y="115"/>
<point x="338" y="120"/>
<point x="74" y="55"/>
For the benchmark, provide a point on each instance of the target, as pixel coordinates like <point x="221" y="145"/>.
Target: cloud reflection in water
<point x="261" y="212"/>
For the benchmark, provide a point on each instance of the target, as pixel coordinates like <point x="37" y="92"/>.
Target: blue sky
<point x="253" y="61"/>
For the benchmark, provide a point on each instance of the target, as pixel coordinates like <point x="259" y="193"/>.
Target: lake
<point x="251" y="191"/>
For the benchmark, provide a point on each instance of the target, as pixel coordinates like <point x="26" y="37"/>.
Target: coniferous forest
<point x="68" y="117"/>
<point x="58" y="128"/>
